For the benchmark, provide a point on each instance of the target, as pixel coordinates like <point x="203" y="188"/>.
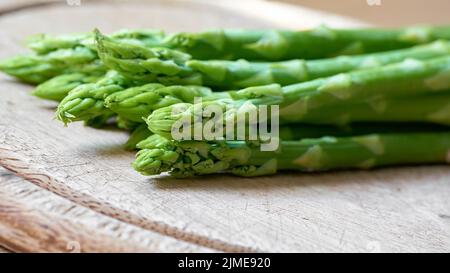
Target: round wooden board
<point x="398" y="209"/>
<point x="36" y="220"/>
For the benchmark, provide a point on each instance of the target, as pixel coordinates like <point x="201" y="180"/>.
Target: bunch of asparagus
<point x="357" y="98"/>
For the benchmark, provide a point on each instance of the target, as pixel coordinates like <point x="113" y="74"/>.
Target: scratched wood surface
<point x="34" y="219"/>
<point x="3" y="250"/>
<point x="396" y="209"/>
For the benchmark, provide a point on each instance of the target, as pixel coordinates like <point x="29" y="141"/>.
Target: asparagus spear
<point x="140" y="136"/>
<point x="296" y="100"/>
<point x="189" y="158"/>
<point x="86" y="101"/>
<point x="368" y="92"/>
<point x="56" y="55"/>
<point x="434" y="108"/>
<point x="427" y="109"/>
<point x="36" y="69"/>
<point x="100" y="121"/>
<point x="376" y="94"/>
<point x="58" y="87"/>
<point x="150" y="65"/>
<point x="269" y="45"/>
<point x="45" y="43"/>
<point x="223" y="44"/>
<point x="278" y="45"/>
<point x="136" y="103"/>
<point x="137" y="136"/>
<point x="300" y="131"/>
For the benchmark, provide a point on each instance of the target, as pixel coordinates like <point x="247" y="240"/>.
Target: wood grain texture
<point x="24" y="227"/>
<point x="4" y="250"/>
<point x="398" y="209"/>
<point x="36" y="220"/>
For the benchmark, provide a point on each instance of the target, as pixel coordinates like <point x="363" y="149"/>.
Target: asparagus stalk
<point x="268" y="45"/>
<point x="100" y="121"/>
<point x="58" y="87"/>
<point x="36" y="69"/>
<point x="76" y="53"/>
<point x="130" y="100"/>
<point x="140" y="137"/>
<point x="126" y="124"/>
<point x="150" y="65"/>
<point x="278" y="45"/>
<point x="300" y="131"/>
<point x="86" y="101"/>
<point x="136" y="103"/>
<point x="317" y="43"/>
<point x="433" y="109"/>
<point x="190" y="158"/>
<point x="45" y="43"/>
<point x="371" y="95"/>
<point x="137" y="136"/>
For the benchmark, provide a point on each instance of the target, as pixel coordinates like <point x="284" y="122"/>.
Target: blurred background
<point x="376" y="12"/>
<point x="385" y="12"/>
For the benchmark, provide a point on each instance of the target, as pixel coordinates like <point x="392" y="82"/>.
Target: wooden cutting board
<point x="72" y="189"/>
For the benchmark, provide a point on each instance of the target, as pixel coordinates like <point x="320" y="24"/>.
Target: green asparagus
<point x="434" y="109"/>
<point x="279" y="45"/>
<point x="150" y="65"/>
<point x="36" y="69"/>
<point x="137" y="136"/>
<point x="298" y="100"/>
<point x="138" y="102"/>
<point x="76" y="53"/>
<point x="375" y="94"/>
<point x="45" y="43"/>
<point x="58" y="87"/>
<point x="189" y="158"/>
<point x="275" y="45"/>
<point x="100" y="121"/>
<point x="131" y="101"/>
<point x="126" y="124"/>
<point x="299" y="131"/>
<point x="86" y="101"/>
<point x="263" y="45"/>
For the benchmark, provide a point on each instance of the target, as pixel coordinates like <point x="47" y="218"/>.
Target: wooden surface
<point x="3" y="250"/>
<point x="397" y="209"/>
<point x="34" y="219"/>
